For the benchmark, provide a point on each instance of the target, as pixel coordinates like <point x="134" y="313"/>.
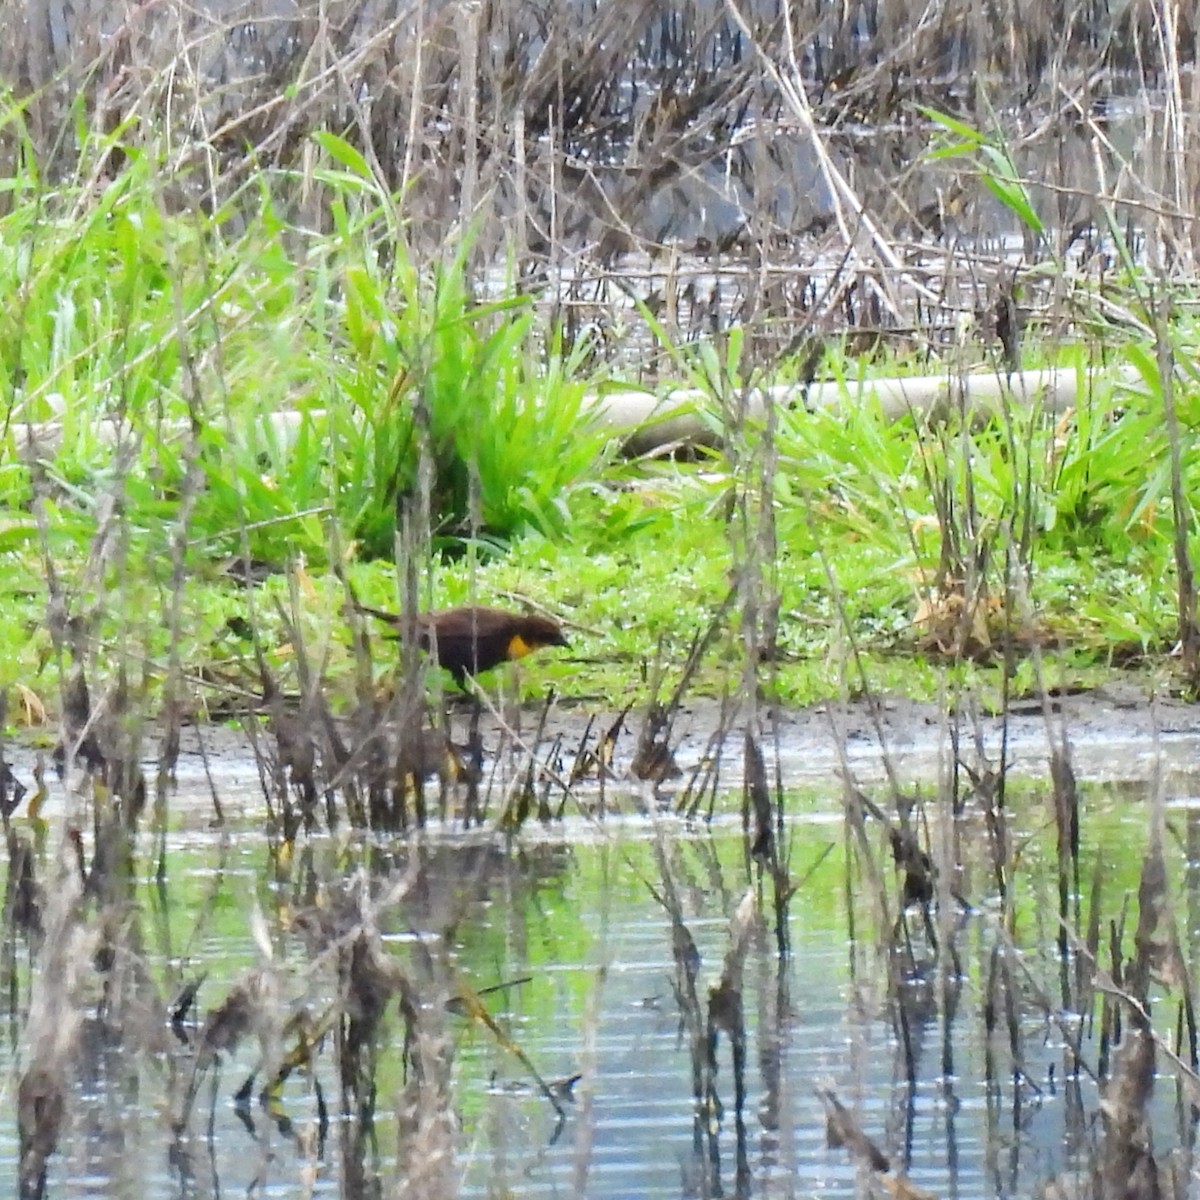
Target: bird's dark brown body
<point x="473" y="639"/>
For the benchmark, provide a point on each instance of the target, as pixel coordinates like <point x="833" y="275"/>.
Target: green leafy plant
<point x="428" y="376"/>
<point x="996" y="167"/>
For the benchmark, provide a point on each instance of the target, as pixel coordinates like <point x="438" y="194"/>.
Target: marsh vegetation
<point x="309" y="308"/>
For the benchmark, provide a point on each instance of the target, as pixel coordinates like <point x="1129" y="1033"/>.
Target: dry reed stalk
<point x="1181" y="510"/>
<point x="54" y="1024"/>
<point x="605" y="108"/>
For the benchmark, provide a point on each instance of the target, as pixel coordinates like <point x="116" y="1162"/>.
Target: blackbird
<point x="473" y="639"/>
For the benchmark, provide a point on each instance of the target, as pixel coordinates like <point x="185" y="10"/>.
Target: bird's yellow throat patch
<point x="518" y="647"/>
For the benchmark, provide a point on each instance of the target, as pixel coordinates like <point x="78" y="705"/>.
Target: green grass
<point x="647" y="557"/>
<point x="416" y="398"/>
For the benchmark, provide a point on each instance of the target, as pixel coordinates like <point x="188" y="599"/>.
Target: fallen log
<point x="647" y="423"/>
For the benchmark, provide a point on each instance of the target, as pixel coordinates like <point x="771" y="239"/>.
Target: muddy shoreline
<point x="1115" y="733"/>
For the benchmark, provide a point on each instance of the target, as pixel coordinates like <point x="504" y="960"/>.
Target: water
<point x="572" y="912"/>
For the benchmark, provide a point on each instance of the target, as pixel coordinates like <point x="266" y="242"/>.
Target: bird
<point x="473" y="639"/>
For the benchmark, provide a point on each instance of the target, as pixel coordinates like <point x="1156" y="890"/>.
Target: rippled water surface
<point x="895" y="1017"/>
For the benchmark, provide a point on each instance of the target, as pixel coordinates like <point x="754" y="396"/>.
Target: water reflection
<point x="606" y="1015"/>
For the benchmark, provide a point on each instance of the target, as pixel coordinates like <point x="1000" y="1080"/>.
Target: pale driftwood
<point x="646" y="423"/>
<point x="651" y="422"/>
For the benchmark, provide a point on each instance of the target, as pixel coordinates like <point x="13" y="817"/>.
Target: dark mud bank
<point x="1118" y="732"/>
<point x="1114" y="733"/>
